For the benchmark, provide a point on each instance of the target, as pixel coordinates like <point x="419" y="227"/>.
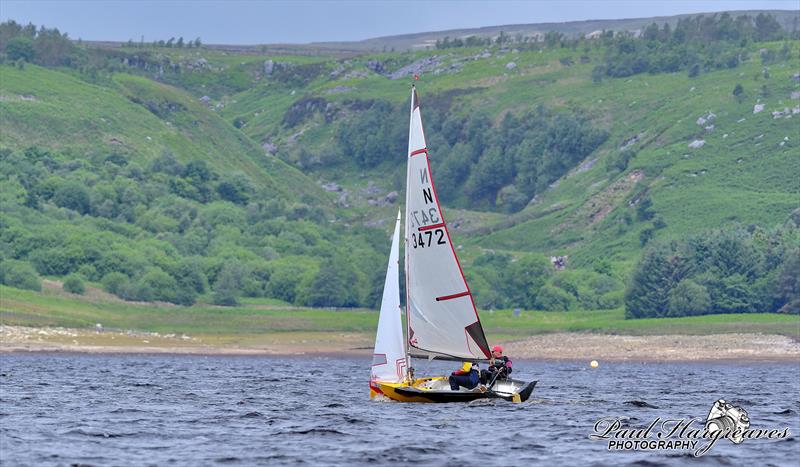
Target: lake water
<point x="62" y="409"/>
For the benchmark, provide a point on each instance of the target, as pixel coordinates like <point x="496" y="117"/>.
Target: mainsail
<point x="441" y="317"/>
<point x="389" y="359"/>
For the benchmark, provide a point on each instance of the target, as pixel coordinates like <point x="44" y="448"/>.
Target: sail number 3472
<point x="428" y="238"/>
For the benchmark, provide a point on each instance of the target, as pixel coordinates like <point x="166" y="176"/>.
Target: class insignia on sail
<point x="441" y="319"/>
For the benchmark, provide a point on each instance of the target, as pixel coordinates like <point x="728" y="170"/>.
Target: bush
<point x="136" y="291"/>
<point x="20" y="275"/>
<point x="610" y="300"/>
<point x="552" y="298"/>
<point x="113" y="282"/>
<point x="20" y="48"/>
<point x="74" y="284"/>
<point x="72" y="195"/>
<point x="526" y="277"/>
<point x="287" y="278"/>
<point x="163" y="286"/>
<point x="227" y="287"/>
<point x="688" y="298"/>
<point x="334" y="285"/>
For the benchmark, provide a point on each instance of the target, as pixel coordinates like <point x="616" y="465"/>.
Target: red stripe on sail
<point x="450" y="297"/>
<point x="450" y="241"/>
<point x="431" y="227"/>
<point x="419" y="151"/>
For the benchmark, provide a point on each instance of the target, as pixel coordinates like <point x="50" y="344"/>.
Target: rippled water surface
<point x="199" y="410"/>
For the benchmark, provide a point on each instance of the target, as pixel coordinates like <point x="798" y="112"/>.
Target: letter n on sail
<point x="426" y="193"/>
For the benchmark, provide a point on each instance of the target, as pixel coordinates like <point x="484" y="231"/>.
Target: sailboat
<point x="441" y="319"/>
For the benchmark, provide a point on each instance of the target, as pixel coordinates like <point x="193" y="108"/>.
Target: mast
<point x="406" y="224"/>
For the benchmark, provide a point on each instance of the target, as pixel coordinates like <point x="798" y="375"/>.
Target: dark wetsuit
<point x="502" y="365"/>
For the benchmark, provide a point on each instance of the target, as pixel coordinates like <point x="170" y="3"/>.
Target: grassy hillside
<point x="745" y="172"/>
<point x="238" y="172"/>
<point x="134" y="117"/>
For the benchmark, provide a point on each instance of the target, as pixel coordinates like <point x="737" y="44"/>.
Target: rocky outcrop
<point x="420" y="66"/>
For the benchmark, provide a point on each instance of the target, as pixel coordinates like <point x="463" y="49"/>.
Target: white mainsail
<point x="441" y="317"/>
<point x="389" y="358"/>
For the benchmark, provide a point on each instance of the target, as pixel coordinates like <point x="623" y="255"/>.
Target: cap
<point x="497" y="348"/>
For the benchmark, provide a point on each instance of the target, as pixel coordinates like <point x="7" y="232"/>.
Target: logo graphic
<point x="726" y="417"/>
<point x="724" y="421"/>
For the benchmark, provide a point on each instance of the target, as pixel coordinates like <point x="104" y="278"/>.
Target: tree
<point x="114" y="281"/>
<point x="551" y="298"/>
<point x="598" y="72"/>
<point x="767" y="28"/>
<point x="20" y="48"/>
<point x="525" y="277"/>
<point x="688" y="298"/>
<point x="226" y="287"/>
<point x="235" y="188"/>
<point x="74" y="284"/>
<point x="644" y="210"/>
<point x="163" y="286"/>
<point x="738" y="92"/>
<point x="731" y="294"/>
<point x="647" y="294"/>
<point x="646" y="235"/>
<point x="285" y="281"/>
<point x="789" y="283"/>
<point x="334" y="285"/>
<point x="20" y="275"/>
<point x="73" y="195"/>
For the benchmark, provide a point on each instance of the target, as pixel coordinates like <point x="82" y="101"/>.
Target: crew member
<point x="466" y="376"/>
<point x="499" y="366"/>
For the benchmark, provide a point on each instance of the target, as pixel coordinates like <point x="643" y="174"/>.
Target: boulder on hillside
<point x="376" y="66"/>
<point x="332" y="186"/>
<point x="417" y="67"/>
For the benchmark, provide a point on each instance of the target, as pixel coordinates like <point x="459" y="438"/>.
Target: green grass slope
<point x="51" y="308"/>
<point x="746" y="171"/>
<point x="134" y="117"/>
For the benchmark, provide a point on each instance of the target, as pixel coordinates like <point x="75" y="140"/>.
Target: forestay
<point x="441" y="314"/>
<point x="389" y="359"/>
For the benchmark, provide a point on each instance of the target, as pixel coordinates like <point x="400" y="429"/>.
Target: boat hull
<point x="437" y="390"/>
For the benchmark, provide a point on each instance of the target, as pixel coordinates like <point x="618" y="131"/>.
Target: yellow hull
<point x="378" y="388"/>
<point x="437" y="390"/>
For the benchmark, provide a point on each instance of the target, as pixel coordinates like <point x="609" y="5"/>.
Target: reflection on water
<point x="190" y="410"/>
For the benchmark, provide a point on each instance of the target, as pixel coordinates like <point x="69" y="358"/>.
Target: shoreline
<point x="562" y="346"/>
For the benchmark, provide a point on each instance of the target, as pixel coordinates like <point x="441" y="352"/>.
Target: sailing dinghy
<point x="441" y="319"/>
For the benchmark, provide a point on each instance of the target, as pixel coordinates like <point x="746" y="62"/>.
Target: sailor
<point x="466" y="376"/>
<point x="499" y="366"/>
